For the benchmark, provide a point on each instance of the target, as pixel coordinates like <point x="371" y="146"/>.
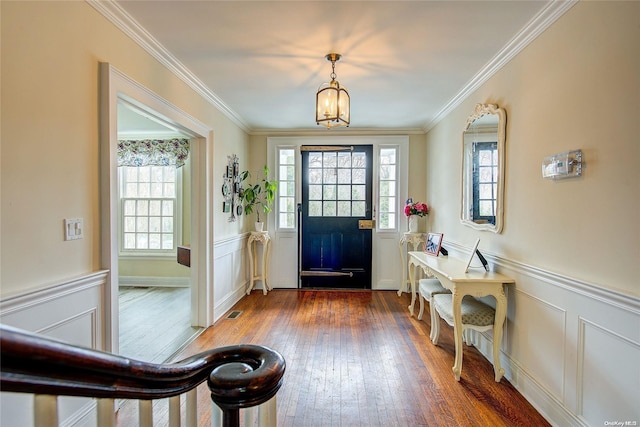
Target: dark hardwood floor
<point x="356" y="358"/>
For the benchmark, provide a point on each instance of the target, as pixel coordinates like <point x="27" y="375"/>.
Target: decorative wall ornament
<point x="231" y="189"/>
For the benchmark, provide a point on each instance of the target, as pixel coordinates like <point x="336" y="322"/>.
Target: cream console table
<point x="478" y="283"/>
<point x="415" y="240"/>
<point x="264" y="238"/>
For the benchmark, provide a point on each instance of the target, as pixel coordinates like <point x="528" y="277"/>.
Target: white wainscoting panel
<point x="538" y="345"/>
<point x="386" y="269"/>
<point x="608" y="372"/>
<point x="70" y="311"/>
<point x="570" y="347"/>
<point x="229" y="273"/>
<point x="283" y="270"/>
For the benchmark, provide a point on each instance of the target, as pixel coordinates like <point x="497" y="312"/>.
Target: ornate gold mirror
<point x="483" y="142"/>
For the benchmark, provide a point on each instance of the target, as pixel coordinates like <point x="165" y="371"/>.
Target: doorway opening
<point x="191" y="227"/>
<point x="154" y="194"/>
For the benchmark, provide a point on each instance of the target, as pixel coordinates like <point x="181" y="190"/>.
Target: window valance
<point x="153" y="152"/>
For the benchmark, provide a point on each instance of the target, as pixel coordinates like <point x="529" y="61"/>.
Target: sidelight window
<point x="287" y="188"/>
<point x="388" y="188"/>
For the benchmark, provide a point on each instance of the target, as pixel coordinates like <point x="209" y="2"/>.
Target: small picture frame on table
<point x="434" y="241"/>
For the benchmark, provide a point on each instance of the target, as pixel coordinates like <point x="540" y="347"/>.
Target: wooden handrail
<point x="239" y="376"/>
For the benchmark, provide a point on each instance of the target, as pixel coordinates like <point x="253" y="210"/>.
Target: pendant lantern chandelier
<point x="332" y="100"/>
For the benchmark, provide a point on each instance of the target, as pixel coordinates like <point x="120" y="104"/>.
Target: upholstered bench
<point x="427" y="289"/>
<point x="476" y="315"/>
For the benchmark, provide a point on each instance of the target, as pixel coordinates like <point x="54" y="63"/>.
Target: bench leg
<point x="435" y="324"/>
<point x="421" y="307"/>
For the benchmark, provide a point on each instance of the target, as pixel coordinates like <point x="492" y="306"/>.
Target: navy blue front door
<point x="336" y="204"/>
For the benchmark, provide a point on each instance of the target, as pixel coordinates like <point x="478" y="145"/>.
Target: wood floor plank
<point x="356" y="358"/>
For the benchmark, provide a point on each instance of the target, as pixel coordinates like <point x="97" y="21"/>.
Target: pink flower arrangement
<point x="417" y="208"/>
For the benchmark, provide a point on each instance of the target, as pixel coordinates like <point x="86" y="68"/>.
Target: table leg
<point x="264" y="269"/>
<point x="412" y="276"/>
<point x="457" y="333"/>
<point x="267" y="254"/>
<point x="251" y="267"/>
<point x="403" y="284"/>
<point x="498" y="324"/>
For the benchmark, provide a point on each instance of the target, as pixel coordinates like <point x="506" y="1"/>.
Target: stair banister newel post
<point x="239" y="376"/>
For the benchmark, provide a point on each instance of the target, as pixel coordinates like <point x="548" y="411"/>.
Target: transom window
<point x="148" y="207"/>
<point x="337" y="184"/>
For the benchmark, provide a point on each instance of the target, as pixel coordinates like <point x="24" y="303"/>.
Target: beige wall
<point x="50" y="163"/>
<point x="576" y="86"/>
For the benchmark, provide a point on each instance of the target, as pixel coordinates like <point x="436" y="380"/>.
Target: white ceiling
<point x="403" y="62"/>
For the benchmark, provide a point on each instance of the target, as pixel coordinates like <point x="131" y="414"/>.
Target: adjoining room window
<point x="286" y="188"/>
<point x="485" y="180"/>
<point x="149" y="191"/>
<point x="148" y="203"/>
<point x="388" y="184"/>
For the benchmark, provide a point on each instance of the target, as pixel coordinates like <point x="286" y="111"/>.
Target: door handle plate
<point x="366" y="224"/>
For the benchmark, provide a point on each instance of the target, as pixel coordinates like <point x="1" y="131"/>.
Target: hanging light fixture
<point x="332" y="100"/>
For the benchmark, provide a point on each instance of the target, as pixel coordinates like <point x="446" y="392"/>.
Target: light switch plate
<point x="73" y="228"/>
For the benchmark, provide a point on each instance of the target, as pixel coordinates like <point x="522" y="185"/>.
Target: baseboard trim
<point x="154" y="282"/>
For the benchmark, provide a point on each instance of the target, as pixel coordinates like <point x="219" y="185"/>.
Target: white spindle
<point x="106" y="413"/>
<point x="267" y="413"/>
<point x="192" y="408"/>
<point x="250" y="416"/>
<point x="45" y="410"/>
<point x="216" y="415"/>
<point x="145" y="413"/>
<point x="174" y="411"/>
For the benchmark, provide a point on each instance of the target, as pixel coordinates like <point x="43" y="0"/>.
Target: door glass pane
<point x="329" y="176"/>
<point x="344" y="176"/>
<point x="344" y="208"/>
<point x="344" y="160"/>
<point x="329" y="192"/>
<point x="344" y="192"/>
<point x="358" y="192"/>
<point x="359" y="176"/>
<point x="358" y="209"/>
<point x="315" y="208"/>
<point x="328" y="208"/>
<point x="330" y="160"/>
<point x="315" y="192"/>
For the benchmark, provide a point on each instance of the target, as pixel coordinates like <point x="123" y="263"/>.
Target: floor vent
<point x="234" y="314"/>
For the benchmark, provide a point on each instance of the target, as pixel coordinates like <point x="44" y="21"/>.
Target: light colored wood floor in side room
<point x="154" y="322"/>
<point x="356" y="358"/>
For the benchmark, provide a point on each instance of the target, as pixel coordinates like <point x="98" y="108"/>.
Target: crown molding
<point x="536" y="26"/>
<point x="125" y="22"/>
<point x="337" y="132"/>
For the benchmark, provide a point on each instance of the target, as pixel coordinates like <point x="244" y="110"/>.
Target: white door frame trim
<point x="378" y="237"/>
<point x="113" y="85"/>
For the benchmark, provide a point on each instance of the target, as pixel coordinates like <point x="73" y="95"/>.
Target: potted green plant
<point x="258" y="196"/>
